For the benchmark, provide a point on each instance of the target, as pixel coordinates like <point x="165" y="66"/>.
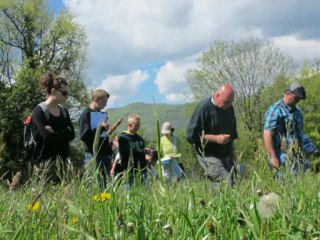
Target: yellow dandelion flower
<point x="34" y="207"/>
<point x="97" y="197"/>
<point x="102" y="197"/>
<point x="74" y="220"/>
<point x="105" y="196"/>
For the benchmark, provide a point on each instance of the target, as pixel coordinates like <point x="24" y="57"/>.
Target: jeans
<point x="294" y="165"/>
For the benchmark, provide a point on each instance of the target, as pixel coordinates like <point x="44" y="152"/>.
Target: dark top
<point x="50" y="145"/>
<point x="87" y="134"/>
<point x="212" y="120"/>
<point x="135" y="144"/>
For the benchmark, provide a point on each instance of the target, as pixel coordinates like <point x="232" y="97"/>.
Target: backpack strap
<point x="45" y="110"/>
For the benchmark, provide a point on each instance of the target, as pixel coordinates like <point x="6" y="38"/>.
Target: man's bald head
<point x="224" y="96"/>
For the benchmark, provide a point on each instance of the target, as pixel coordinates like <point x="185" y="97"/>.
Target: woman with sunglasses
<point x="51" y="126"/>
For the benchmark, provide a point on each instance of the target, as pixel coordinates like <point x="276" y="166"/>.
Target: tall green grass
<point x="180" y="210"/>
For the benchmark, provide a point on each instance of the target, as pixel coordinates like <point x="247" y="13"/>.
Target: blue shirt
<point x="286" y="123"/>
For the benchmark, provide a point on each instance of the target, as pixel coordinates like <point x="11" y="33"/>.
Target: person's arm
<point x="271" y="124"/>
<point x="114" y="165"/>
<point x="268" y="141"/>
<point x="219" y="138"/>
<point x="194" y="130"/>
<point x="124" y="151"/>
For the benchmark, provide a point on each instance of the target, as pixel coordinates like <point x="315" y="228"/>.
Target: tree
<point x="249" y="66"/>
<point x="310" y="79"/>
<point x="32" y="41"/>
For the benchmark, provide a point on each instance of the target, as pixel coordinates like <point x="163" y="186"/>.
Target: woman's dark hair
<point x="51" y="80"/>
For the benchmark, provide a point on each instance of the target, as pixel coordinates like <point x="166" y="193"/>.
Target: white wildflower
<point x="268" y="203"/>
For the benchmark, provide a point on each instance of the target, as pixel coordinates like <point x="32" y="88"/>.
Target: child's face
<point x="101" y="102"/>
<point x="134" y="126"/>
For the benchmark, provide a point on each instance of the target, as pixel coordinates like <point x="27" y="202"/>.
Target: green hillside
<point x="176" y="114"/>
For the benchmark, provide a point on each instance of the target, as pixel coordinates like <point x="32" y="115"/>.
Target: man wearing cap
<point x="283" y="128"/>
<point x="212" y="131"/>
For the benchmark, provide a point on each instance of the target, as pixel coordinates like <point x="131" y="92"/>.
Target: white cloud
<point x="122" y="87"/>
<point x="124" y="34"/>
<point x="128" y="35"/>
<point x="171" y="80"/>
<point x="301" y="49"/>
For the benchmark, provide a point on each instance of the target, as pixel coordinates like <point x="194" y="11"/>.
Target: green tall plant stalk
<point x="96" y="147"/>
<point x="156" y="120"/>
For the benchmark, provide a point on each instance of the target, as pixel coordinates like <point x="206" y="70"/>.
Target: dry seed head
<point x="203" y="203"/>
<point x="130" y="224"/>
<point x="167" y="228"/>
<point x="130" y="227"/>
<point x="259" y="192"/>
<point x="158" y="222"/>
<point x="268" y="203"/>
<point x="211" y="227"/>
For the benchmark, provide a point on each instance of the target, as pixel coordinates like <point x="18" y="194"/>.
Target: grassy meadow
<point x="258" y="207"/>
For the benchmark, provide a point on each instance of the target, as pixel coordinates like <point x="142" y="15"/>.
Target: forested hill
<point x="176" y="114"/>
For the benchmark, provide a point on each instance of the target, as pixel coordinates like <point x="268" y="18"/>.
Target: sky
<point x="139" y="50"/>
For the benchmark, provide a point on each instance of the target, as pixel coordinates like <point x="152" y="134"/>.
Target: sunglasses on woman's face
<point x="64" y="93"/>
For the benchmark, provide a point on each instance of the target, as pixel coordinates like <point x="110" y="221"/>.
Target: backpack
<point x="29" y="142"/>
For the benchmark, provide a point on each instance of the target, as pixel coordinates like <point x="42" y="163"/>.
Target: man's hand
<point x="223" y="138"/>
<point x="275" y="162"/>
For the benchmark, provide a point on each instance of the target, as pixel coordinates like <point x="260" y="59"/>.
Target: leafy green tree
<point x="249" y="66"/>
<point x="310" y="79"/>
<point x="32" y="41"/>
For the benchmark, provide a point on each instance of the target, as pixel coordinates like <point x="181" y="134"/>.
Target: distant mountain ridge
<point x="176" y="114"/>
